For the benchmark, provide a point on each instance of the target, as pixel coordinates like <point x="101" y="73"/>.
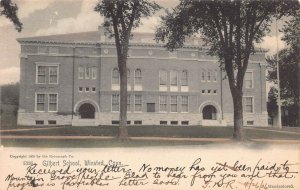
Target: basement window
<point x="51" y="122"/>
<point x="39" y="122"/>
<point x="115" y="122"/>
<point x="138" y="122"/>
<point x="184" y="122"/>
<point x="163" y="122"/>
<point x="174" y="122"/>
<point x="250" y="122"/>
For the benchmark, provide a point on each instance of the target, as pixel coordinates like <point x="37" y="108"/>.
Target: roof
<point x="94" y="37"/>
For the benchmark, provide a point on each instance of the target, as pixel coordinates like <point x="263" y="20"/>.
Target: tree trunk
<point x="238" y="116"/>
<point x="123" y="133"/>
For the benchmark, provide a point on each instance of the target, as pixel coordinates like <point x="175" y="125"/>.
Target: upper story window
<point x="174" y="78"/>
<point x="128" y="77"/>
<point x="248" y="80"/>
<point x="53" y="75"/>
<point x="87" y="72"/>
<point x="208" y="76"/>
<point x="163" y="77"/>
<point x="47" y="74"/>
<point x="248" y="104"/>
<point x="115" y="76"/>
<point x="41" y="74"/>
<point x="138" y="77"/>
<point x="184" y="78"/>
<point x="215" y="77"/>
<point x="203" y="76"/>
<point x="94" y="72"/>
<point x="80" y="72"/>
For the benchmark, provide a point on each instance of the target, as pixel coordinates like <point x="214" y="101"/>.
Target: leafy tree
<point x="288" y="70"/>
<point x="230" y="28"/>
<point x="121" y="18"/>
<point x="10" y="94"/>
<point x="9" y="10"/>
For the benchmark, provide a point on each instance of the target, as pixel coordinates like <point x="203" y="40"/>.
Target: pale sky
<point x="47" y="17"/>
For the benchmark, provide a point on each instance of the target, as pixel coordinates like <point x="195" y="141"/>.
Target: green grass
<point x="157" y="131"/>
<point x="46" y="143"/>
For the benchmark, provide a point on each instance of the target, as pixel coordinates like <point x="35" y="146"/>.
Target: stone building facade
<point x="72" y="79"/>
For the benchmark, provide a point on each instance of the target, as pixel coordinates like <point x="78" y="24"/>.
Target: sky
<point x="47" y="17"/>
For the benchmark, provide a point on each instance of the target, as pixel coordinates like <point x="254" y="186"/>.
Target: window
<point x="87" y="73"/>
<point x="80" y="89"/>
<point x="173" y="103"/>
<point x="93" y="89"/>
<point x="115" y="103"/>
<point x="80" y="72"/>
<point x="163" y="77"/>
<point x="215" y="76"/>
<point x="52" y="107"/>
<point x="215" y="91"/>
<point x="174" y="78"/>
<point x="128" y="103"/>
<point x="87" y="89"/>
<point x="248" y="104"/>
<point x="150" y="107"/>
<point x="184" y="122"/>
<point x="203" y="76"/>
<point x="248" y="80"/>
<point x="163" y="103"/>
<point x="184" y="104"/>
<point x="51" y="122"/>
<point x="184" y="78"/>
<point x="138" y="77"/>
<point x="128" y="77"/>
<point x="163" y="122"/>
<point x="250" y="122"/>
<point x="138" y="103"/>
<point x="208" y="76"/>
<point x="115" y="76"/>
<point x="53" y="79"/>
<point x="40" y="102"/>
<point x="41" y="78"/>
<point x="174" y="122"/>
<point x="115" y="122"/>
<point x="138" y="122"/>
<point x="208" y="91"/>
<point x="203" y="91"/>
<point x="94" y="72"/>
<point x="39" y="122"/>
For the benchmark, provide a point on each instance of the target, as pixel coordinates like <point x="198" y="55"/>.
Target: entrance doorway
<point x="87" y="111"/>
<point x="209" y="112"/>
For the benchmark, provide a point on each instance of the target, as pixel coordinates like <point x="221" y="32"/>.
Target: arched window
<point x="184" y="78"/>
<point x="209" y="112"/>
<point x="138" y="77"/>
<point x="115" y="76"/>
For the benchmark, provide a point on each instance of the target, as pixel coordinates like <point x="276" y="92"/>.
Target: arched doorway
<point x="87" y="111"/>
<point x="209" y="112"/>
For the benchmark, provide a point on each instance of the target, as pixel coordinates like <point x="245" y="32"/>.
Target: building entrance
<point x="87" y="111"/>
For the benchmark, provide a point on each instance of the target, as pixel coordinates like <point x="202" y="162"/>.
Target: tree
<point x="9" y="9"/>
<point x="288" y="70"/>
<point x="121" y="18"/>
<point x="230" y="28"/>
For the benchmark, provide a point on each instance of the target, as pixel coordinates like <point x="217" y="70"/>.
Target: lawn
<point x="156" y="131"/>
